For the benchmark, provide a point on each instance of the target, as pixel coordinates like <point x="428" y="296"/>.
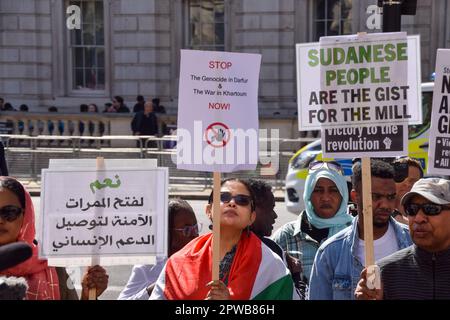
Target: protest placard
<point x="368" y="79"/>
<point x="218" y="120"/>
<point x="365" y="141"/>
<point x="361" y="91"/>
<point x="218" y="111"/>
<point x="439" y="149"/>
<point x="118" y="215"/>
<point x="360" y="94"/>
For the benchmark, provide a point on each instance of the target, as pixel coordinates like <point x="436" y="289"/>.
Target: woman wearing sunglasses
<point x="326" y="199"/>
<point x="17" y="223"/>
<point x="248" y="268"/>
<point x="183" y="227"/>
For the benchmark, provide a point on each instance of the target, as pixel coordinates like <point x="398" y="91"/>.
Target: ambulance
<point x="298" y="164"/>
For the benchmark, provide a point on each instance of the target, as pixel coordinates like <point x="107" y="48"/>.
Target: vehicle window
<point x="417" y="130"/>
<point x="303" y="160"/>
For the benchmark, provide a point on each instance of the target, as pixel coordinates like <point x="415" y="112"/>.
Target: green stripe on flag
<point x="282" y="289"/>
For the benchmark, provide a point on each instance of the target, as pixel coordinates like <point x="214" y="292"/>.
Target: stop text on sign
<point x="224" y="65"/>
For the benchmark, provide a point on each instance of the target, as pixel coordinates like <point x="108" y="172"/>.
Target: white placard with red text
<point x="218" y="111"/>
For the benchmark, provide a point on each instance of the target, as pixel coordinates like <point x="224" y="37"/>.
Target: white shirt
<point x="382" y="247"/>
<point x="141" y="277"/>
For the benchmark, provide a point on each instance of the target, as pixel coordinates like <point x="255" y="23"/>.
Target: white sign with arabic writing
<point x="108" y="213"/>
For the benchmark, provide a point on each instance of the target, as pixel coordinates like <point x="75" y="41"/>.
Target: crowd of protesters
<point x="319" y="256"/>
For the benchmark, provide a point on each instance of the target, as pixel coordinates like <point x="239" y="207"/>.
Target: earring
<point x="210" y="227"/>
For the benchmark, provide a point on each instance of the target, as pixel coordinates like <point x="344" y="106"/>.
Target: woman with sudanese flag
<point x="248" y="268"/>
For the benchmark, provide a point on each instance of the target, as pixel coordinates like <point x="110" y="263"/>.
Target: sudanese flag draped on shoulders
<point x="256" y="273"/>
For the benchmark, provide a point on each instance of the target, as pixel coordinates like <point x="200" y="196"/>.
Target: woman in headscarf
<point x="248" y="268"/>
<point x="17" y="223"/>
<point x="326" y="213"/>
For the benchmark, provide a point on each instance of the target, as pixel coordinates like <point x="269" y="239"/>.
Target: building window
<point x="332" y="18"/>
<point x="206" y="25"/>
<point x="87" y="47"/>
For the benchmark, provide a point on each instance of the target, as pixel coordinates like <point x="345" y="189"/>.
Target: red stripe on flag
<point x="189" y="270"/>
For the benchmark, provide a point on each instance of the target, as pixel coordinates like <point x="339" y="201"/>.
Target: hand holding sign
<point x="364" y="292"/>
<point x="94" y="282"/>
<point x="373" y="277"/>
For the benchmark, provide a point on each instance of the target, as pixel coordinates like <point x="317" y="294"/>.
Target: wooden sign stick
<point x="373" y="271"/>
<point x="216" y="227"/>
<point x="100" y="165"/>
<point x="367" y="210"/>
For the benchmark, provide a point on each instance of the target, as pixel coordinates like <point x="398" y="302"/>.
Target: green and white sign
<point x="112" y="213"/>
<point x="359" y="80"/>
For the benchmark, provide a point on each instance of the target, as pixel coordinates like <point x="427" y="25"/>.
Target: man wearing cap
<point x="421" y="271"/>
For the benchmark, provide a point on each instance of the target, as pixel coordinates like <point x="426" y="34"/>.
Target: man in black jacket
<point x="145" y="123"/>
<point x="421" y="271"/>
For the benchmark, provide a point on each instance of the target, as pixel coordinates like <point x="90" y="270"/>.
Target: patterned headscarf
<point x="42" y="280"/>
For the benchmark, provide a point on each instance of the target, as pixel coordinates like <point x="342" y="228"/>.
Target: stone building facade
<point x="131" y="47"/>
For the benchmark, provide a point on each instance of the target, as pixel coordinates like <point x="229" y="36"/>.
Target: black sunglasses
<point x="430" y="209"/>
<point x="331" y="165"/>
<point x="190" y="230"/>
<point x="10" y="213"/>
<point x="239" y="199"/>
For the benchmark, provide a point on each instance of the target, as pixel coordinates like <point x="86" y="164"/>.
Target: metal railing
<point x="28" y="155"/>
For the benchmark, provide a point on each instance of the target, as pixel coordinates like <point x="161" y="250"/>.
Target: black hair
<point x="53" y="109"/>
<point x="176" y="205"/>
<point x="378" y="168"/>
<point x="23" y="107"/>
<point x="95" y="107"/>
<point x="260" y="189"/>
<point x="8" y="107"/>
<point x="15" y="187"/>
<point x="247" y="186"/>
<point x="119" y="99"/>
<point x="140" y="98"/>
<point x="411" y="163"/>
<point x="83" y="107"/>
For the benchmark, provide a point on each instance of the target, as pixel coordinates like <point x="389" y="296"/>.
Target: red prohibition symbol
<point x="217" y="135"/>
